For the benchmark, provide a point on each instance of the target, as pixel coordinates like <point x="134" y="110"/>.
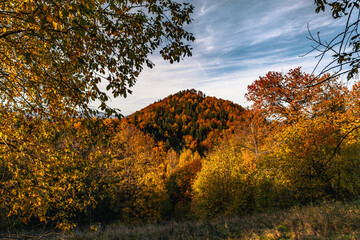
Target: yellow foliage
<point x="224" y="183"/>
<point x="49" y="170"/>
<point x="138" y="189"/>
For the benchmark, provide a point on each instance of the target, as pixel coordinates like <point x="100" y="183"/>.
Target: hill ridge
<point x="188" y="119"/>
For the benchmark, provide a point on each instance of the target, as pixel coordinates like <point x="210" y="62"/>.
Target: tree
<point x="288" y="97"/>
<point x="188" y="119"/>
<point x="313" y="132"/>
<point x="136" y="187"/>
<point x="179" y="183"/>
<point x="344" y="46"/>
<point x="55" y="53"/>
<point x="53" y="56"/>
<point x="304" y="158"/>
<point x="252" y="133"/>
<point x="224" y="186"/>
<point x="50" y="172"/>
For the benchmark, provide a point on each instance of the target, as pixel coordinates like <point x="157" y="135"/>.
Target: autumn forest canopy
<point x="188" y="156"/>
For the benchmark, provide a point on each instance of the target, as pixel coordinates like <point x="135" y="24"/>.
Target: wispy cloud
<point x="236" y="42"/>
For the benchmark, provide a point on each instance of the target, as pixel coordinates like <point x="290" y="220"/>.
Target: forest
<point x="66" y="166"/>
<point x="188" y="156"/>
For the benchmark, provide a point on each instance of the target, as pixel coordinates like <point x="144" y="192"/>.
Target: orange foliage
<point x="188" y="119"/>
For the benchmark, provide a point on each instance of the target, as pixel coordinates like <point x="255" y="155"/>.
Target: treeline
<point x="297" y="143"/>
<point x="188" y="119"/>
<point x="89" y="171"/>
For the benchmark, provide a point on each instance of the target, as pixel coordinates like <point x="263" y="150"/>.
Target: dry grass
<point x="324" y="221"/>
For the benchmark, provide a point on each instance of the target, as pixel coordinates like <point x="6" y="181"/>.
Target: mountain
<point x="188" y="119"/>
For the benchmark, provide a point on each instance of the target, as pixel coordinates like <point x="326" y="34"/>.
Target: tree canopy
<point x="188" y="119"/>
<point x="344" y="47"/>
<point x="288" y="97"/>
<point x="55" y="53"/>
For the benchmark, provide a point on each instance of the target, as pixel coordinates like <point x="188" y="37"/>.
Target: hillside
<point x="188" y="119"/>
<point x="154" y="166"/>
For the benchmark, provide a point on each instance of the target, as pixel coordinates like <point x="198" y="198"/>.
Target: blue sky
<point x="236" y="42"/>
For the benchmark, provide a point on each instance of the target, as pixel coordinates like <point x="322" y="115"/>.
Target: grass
<point x="325" y="221"/>
<point x="331" y="220"/>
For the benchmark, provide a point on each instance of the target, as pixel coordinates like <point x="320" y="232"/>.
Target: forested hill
<point x="188" y="119"/>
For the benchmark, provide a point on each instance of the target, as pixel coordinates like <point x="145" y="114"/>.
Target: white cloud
<point x="237" y="41"/>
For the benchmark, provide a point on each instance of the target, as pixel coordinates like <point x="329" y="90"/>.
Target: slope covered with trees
<point x="53" y="156"/>
<point x="188" y="119"/>
<point x="298" y="145"/>
<point x="188" y="156"/>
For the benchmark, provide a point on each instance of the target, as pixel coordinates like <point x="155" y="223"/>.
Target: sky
<point x="236" y="42"/>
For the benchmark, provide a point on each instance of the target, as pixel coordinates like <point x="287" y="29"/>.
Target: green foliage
<point x="188" y="119"/>
<point x="284" y="151"/>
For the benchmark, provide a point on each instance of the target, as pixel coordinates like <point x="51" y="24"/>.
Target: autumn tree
<point x="303" y="157"/>
<point x="54" y="56"/>
<point x="318" y="156"/>
<point x="312" y="124"/>
<point x="224" y="185"/>
<point x="349" y="146"/>
<point x="287" y="97"/>
<point x="344" y="47"/>
<point x="55" y="53"/>
<point x="188" y="119"/>
<point x="50" y="172"/>
<point x="136" y="183"/>
<point x="179" y="184"/>
<point x="251" y="133"/>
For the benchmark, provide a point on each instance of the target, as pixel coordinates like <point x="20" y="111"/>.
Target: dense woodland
<point x="188" y="120"/>
<point x="188" y="156"/>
